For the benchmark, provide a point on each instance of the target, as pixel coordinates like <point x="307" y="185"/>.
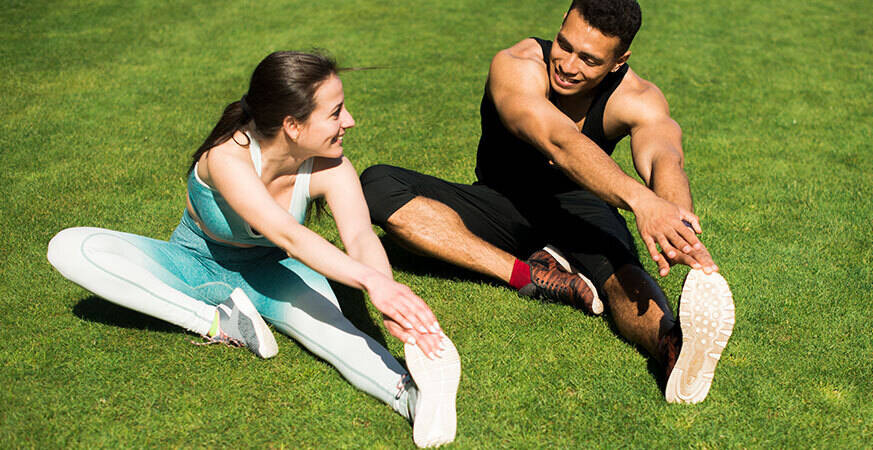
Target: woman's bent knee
<point x="65" y="247"/>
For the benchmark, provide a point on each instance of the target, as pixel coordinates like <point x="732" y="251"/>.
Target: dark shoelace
<point x="221" y="338"/>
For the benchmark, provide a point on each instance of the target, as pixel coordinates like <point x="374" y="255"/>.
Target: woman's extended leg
<point x="155" y="278"/>
<point x="299" y="302"/>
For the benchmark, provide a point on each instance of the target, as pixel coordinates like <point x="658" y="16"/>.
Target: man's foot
<point x="437" y="381"/>
<point x="706" y="315"/>
<point x="239" y="324"/>
<point x="552" y="278"/>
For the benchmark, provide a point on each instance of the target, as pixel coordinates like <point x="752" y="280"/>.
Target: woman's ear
<point x="291" y="128"/>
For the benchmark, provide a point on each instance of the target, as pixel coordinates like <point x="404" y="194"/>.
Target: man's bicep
<point x="520" y="95"/>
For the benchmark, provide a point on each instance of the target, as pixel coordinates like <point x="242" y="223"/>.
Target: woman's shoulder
<point x="237" y="147"/>
<point x="232" y="152"/>
<point x="331" y="173"/>
<point x="329" y="165"/>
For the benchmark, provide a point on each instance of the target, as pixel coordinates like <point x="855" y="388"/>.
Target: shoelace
<point x="561" y="291"/>
<point x="221" y="338"/>
<point x="403" y="385"/>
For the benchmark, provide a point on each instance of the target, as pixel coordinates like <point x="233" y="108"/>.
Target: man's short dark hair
<point x="616" y="18"/>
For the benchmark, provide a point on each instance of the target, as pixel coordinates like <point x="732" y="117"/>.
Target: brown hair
<point x="283" y="84"/>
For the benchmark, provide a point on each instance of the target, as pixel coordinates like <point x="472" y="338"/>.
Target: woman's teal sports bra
<point x="221" y="221"/>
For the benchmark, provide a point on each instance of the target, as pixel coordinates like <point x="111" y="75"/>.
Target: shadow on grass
<point x="652" y="365"/>
<point x="354" y="307"/>
<point x="96" y="309"/>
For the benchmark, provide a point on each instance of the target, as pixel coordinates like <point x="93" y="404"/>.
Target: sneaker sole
<point x="266" y="342"/>
<point x="437" y="381"/>
<point x="596" y="303"/>
<point x="707" y="316"/>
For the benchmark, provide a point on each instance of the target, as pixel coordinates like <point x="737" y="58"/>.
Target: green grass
<point x="103" y="102"/>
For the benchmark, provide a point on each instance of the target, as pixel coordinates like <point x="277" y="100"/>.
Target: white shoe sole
<point x="267" y="346"/>
<point x="596" y="303"/>
<point x="437" y="381"/>
<point x="706" y="314"/>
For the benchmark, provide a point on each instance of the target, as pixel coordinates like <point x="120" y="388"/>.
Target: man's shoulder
<point x="523" y="53"/>
<point x="526" y="48"/>
<point x="519" y="68"/>
<point x="633" y="85"/>
<point x="636" y="99"/>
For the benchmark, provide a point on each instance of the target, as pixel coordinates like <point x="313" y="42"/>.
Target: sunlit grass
<point x="104" y="101"/>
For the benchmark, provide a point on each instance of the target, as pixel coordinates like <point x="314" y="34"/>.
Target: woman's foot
<point x="239" y="324"/>
<point x="437" y="380"/>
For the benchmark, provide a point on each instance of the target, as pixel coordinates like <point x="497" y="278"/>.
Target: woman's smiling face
<point x="322" y="133"/>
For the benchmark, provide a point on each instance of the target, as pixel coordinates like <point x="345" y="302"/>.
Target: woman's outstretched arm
<point x="338" y="182"/>
<point x="231" y="173"/>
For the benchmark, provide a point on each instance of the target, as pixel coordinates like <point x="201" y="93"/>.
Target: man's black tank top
<point x="509" y="164"/>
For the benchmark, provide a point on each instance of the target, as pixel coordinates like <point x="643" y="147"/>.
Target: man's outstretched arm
<point x="518" y="83"/>
<point x="656" y="145"/>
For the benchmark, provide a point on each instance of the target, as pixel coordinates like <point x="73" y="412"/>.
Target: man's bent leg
<point x="471" y="226"/>
<point x="435" y="230"/>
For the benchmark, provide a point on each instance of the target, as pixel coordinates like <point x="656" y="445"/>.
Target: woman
<point x="241" y="252"/>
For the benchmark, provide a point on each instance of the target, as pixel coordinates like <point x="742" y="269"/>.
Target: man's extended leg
<point x="688" y="352"/>
<point x="639" y="308"/>
<point x="642" y="315"/>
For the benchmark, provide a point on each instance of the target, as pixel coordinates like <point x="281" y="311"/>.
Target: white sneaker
<point x="437" y="381"/>
<point x="240" y="325"/>
<point x="706" y="315"/>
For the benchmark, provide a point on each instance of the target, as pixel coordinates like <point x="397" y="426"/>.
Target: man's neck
<point x="575" y="106"/>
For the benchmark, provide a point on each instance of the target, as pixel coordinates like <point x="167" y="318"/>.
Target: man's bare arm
<point x="656" y="145"/>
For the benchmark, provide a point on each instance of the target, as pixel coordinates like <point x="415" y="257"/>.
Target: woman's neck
<point x="279" y="157"/>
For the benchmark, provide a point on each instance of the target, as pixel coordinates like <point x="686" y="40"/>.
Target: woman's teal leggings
<point x="180" y="281"/>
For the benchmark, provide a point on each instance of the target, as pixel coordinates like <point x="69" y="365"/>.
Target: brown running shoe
<point x="551" y="279"/>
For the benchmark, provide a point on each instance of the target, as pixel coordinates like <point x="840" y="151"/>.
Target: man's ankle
<point x="669" y="347"/>
<point x="520" y="274"/>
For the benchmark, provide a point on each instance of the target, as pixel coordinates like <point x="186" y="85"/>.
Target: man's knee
<point x="385" y="191"/>
<point x="375" y="173"/>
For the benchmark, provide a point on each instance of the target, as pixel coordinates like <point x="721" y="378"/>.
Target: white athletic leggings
<point x="180" y="281"/>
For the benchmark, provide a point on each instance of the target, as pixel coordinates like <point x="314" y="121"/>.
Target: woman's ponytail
<point x="234" y="118"/>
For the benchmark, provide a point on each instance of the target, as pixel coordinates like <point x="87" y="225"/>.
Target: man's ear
<point x="291" y="128"/>
<point x="621" y="60"/>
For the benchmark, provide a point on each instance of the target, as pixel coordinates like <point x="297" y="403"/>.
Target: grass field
<point x="103" y="101"/>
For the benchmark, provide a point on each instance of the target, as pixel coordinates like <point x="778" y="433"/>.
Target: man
<point x="552" y="114"/>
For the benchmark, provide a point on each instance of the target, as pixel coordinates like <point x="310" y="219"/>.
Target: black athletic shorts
<point x="589" y="232"/>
